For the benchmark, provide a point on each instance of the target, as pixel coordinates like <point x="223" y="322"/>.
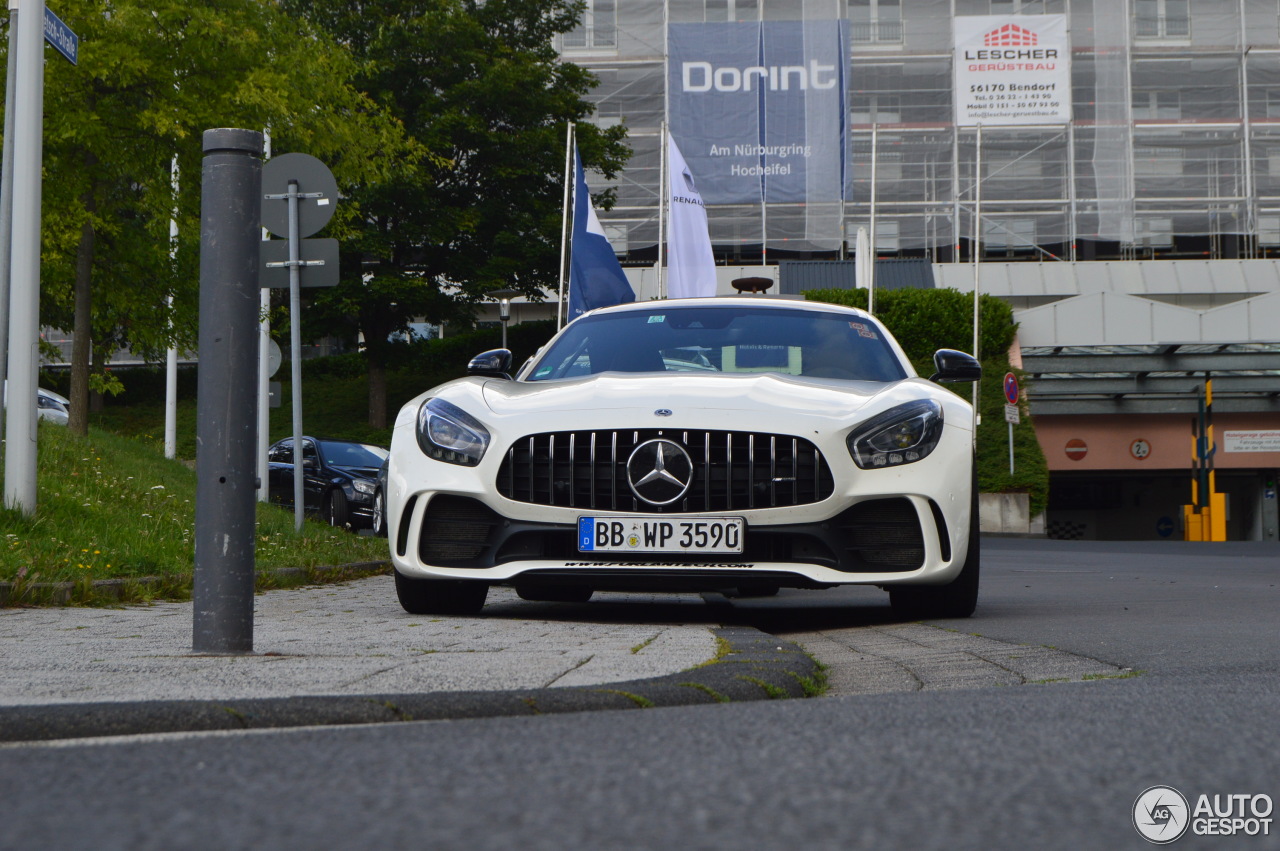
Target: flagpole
<point x="871" y="259"/>
<point x="564" y="220"/>
<point x="664" y="189"/>
<point x="664" y="207"/>
<point x="977" y="237"/>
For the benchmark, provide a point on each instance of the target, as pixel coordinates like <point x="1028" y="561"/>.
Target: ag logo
<point x="1161" y="815"/>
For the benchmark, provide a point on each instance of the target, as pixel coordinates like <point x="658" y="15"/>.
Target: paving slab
<point x="346" y="639"/>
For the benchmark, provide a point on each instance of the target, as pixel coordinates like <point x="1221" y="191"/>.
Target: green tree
<point x="151" y="78"/>
<point x="479" y="84"/>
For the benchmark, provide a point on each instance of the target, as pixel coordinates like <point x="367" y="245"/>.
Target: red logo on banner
<point x="1010" y="35"/>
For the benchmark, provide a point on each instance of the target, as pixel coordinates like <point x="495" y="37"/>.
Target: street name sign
<point x="61" y="36"/>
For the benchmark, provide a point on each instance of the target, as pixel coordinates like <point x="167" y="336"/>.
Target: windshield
<point x="341" y="454"/>
<point x="728" y="338"/>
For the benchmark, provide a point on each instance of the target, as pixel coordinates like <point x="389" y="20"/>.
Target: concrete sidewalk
<point x="348" y="653"/>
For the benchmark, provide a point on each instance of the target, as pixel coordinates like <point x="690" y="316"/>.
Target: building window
<point x="1153" y="232"/>
<point x="598" y="28"/>
<point x="1008" y="235"/>
<point x="1157" y="162"/>
<point x="1019" y="7"/>
<point x="1269" y="230"/>
<point x="876" y="109"/>
<point x="875" y="21"/>
<point x="1169" y="19"/>
<point x="1159" y="105"/>
<point x="1018" y="167"/>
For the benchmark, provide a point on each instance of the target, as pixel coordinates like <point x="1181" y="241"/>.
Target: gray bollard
<point x="226" y="406"/>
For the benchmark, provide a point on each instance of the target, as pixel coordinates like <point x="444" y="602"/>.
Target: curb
<point x="758" y="666"/>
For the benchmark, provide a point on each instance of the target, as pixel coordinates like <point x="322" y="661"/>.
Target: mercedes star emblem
<point x="659" y="471"/>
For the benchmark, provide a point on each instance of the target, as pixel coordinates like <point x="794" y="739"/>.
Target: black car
<point x="340" y="478"/>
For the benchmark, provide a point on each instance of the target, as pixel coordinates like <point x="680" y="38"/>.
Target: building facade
<point x="1137" y="237"/>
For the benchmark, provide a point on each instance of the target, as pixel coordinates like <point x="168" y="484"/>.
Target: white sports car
<point x="739" y="444"/>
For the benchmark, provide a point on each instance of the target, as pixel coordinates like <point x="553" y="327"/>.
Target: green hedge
<point x="924" y="321"/>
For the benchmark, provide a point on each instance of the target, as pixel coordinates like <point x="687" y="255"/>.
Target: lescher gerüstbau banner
<point x="1012" y="69"/>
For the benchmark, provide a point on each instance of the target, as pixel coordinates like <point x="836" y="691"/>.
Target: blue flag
<point x="595" y="276"/>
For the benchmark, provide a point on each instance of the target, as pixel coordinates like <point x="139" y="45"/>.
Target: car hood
<point x="738" y="392"/>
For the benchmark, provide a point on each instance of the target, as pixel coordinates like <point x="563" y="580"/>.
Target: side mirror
<point x="495" y="363"/>
<point x="952" y="365"/>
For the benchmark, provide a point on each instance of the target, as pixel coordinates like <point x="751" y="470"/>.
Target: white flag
<point x="691" y="267"/>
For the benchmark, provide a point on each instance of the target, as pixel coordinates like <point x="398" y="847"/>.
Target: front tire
<point x="956" y="599"/>
<point x="440" y="596"/>
<point x="335" y="508"/>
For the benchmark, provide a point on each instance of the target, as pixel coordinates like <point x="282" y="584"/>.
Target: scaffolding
<point x="1172" y="150"/>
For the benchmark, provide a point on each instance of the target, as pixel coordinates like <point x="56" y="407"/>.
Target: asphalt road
<point x="1186" y="633"/>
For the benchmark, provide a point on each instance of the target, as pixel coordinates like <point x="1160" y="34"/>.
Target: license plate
<point x="660" y="534"/>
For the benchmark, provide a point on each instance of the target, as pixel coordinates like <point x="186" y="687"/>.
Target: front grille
<point x="732" y="470"/>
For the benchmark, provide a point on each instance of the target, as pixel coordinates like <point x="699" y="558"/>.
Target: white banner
<point x="1251" y="441"/>
<point x="1012" y="69"/>
<point x="691" y="266"/>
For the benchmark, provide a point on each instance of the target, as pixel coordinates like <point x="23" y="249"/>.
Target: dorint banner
<point x="1012" y="69"/>
<point x="758" y="108"/>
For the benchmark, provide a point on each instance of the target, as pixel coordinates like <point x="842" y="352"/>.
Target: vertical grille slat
<point x="587" y="470"/>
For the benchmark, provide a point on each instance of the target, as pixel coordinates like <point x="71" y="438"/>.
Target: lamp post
<point x="504" y="297"/>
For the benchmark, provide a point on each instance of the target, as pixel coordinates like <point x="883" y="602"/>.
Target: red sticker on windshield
<point x="863" y="330"/>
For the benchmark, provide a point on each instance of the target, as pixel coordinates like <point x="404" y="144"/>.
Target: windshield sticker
<point x="657" y="318"/>
<point x="863" y="330"/>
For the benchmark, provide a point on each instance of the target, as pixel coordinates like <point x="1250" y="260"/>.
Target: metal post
<point x="231" y="184"/>
<point x="664" y="202"/>
<point x="171" y="354"/>
<point x="6" y="188"/>
<point x="295" y="351"/>
<point x="264" y="369"/>
<point x="264" y="392"/>
<point x="24" y="267"/>
<point x="1010" y="449"/>
<point x="977" y="240"/>
<point x="566" y="214"/>
<point x="871" y="260"/>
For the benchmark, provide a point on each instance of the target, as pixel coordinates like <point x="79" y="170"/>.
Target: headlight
<point x="447" y="433"/>
<point x="900" y="435"/>
<point x="362" y="486"/>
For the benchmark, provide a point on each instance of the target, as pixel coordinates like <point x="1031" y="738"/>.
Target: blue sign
<point x="1164" y="527"/>
<point x="60" y="36"/>
<point x="758" y="109"/>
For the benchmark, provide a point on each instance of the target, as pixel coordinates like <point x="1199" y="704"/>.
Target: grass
<point x="113" y="507"/>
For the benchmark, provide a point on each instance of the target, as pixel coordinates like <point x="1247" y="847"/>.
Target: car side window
<point x="282" y="453"/>
<point x="309" y="456"/>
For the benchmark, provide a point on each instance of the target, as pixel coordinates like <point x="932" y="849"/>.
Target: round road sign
<point x="1140" y="449"/>
<point x="312" y="176"/>
<point x="1011" y="388"/>
<point x="1076" y="449"/>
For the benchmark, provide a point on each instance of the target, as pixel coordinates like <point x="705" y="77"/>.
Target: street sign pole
<point x="289" y="172"/>
<point x="295" y="349"/>
<point x="24" y="268"/>
<point x="6" y="188"/>
<point x="1011" y="415"/>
